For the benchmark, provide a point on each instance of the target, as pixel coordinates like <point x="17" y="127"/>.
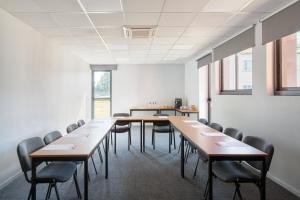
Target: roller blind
<point x="283" y="23"/>
<point x="239" y="43"/>
<point x="103" y="67"/>
<point x="205" y="60"/>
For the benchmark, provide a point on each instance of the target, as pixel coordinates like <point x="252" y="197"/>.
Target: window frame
<point x="277" y="58"/>
<point x="236" y="91"/>
<point x="93" y="98"/>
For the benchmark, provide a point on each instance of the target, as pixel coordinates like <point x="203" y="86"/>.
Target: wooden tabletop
<point x="153" y="107"/>
<point x="83" y="140"/>
<point x="212" y="142"/>
<point x="187" y="110"/>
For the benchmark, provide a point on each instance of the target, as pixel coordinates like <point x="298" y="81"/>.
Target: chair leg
<point x="206" y="191"/>
<point x="129" y="141"/>
<point x="195" y="172"/>
<point x="153" y="140"/>
<point x="29" y="194"/>
<point x="237" y="191"/>
<point x="100" y="154"/>
<point x="187" y="153"/>
<point x="48" y="190"/>
<point x="56" y="191"/>
<point x="173" y="132"/>
<point x="94" y="165"/>
<point x="111" y="135"/>
<point x="77" y="187"/>
<point x="179" y="148"/>
<point x="130" y="135"/>
<point x="170" y="142"/>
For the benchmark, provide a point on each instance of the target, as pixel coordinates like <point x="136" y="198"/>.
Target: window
<point x="287" y="65"/>
<point x="101" y="99"/>
<point x="236" y="73"/>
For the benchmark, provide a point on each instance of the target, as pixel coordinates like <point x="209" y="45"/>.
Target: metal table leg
<point x="182" y="155"/>
<point x="33" y="179"/>
<point x="86" y="184"/>
<point x="106" y="156"/>
<point x="263" y="181"/>
<point x="141" y="136"/>
<point x="210" y="180"/>
<point x="144" y="136"/>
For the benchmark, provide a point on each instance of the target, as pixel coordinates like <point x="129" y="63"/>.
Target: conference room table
<point x="158" y="109"/>
<point x="218" y="147"/>
<point x="79" y="145"/>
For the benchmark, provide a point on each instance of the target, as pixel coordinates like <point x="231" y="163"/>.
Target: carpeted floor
<point x="151" y="175"/>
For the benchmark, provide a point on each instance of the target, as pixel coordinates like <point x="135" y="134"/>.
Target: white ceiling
<point x="92" y="29"/>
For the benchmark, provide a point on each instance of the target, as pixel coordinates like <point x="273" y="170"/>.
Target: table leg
<point x="141" y="136"/>
<point x="33" y="179"/>
<point x="106" y="156"/>
<point x="263" y="180"/>
<point x="182" y="155"/>
<point x="175" y="112"/>
<point x="115" y="143"/>
<point x="210" y="180"/>
<point x="188" y="114"/>
<point x="144" y="136"/>
<point x="86" y="184"/>
<point x="170" y="139"/>
<point x="130" y="112"/>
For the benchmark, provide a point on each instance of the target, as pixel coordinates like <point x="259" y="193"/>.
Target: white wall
<point x="134" y="85"/>
<point x="43" y="88"/>
<point x="275" y="118"/>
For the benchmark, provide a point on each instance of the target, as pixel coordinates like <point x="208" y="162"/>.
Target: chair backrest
<point x="25" y="148"/>
<point x="216" y="126"/>
<point x="203" y="121"/>
<point x="71" y="127"/>
<point x="52" y="136"/>
<point x="163" y="123"/>
<point x="234" y="133"/>
<point x="262" y="145"/>
<point x="80" y="122"/>
<point x="121" y="115"/>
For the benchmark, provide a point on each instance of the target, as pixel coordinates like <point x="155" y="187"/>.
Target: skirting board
<point x="284" y="185"/>
<point x="9" y="180"/>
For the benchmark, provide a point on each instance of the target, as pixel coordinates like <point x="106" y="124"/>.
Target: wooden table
<point x="158" y="109"/>
<point x="197" y="134"/>
<point x="85" y="141"/>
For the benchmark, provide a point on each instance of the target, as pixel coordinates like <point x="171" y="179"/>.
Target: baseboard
<point x="9" y="180"/>
<point x="284" y="185"/>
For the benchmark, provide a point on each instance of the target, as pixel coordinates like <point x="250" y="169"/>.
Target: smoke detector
<point x="139" y="31"/>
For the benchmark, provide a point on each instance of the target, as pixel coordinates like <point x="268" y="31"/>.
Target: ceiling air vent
<point x="139" y="31"/>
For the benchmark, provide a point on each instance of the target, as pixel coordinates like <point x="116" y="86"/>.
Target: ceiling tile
<point x="177" y="52"/>
<point x="224" y="5"/>
<point x="138" y="47"/>
<point x="102" y="5"/>
<point x="72" y="19"/>
<point x="58" y="5"/>
<point x="183" y="47"/>
<point x="111" y="32"/>
<point x="37" y="19"/>
<point x="190" y="40"/>
<point x="160" y="47"/>
<point x="245" y="20"/>
<point x="141" y="18"/>
<point x="169" y="31"/>
<point x="139" y="41"/>
<point x="266" y="5"/>
<point x="142" y="5"/>
<point x="20" y="6"/>
<point x="211" y="19"/>
<point x="118" y="47"/>
<point x="184" y="5"/>
<point x="164" y="40"/>
<point x="158" y="51"/>
<point x="87" y="32"/>
<point x="199" y="31"/>
<point x="176" y="19"/>
<point x="107" y="19"/>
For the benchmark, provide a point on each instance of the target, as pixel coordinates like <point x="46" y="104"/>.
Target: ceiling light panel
<point x="141" y="18"/>
<point x="107" y="19"/>
<point x="102" y="5"/>
<point x="184" y="5"/>
<point x="176" y="19"/>
<point x="142" y="5"/>
<point x="20" y="6"/>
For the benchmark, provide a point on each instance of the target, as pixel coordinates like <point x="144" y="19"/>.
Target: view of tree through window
<point x="102" y="94"/>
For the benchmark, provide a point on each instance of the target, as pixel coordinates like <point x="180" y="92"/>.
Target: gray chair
<point x="72" y="127"/>
<point x="234" y="133"/>
<point x="80" y="122"/>
<point x="203" y="121"/>
<point x="52" y="136"/>
<point x="163" y="127"/>
<point x="53" y="173"/>
<point x="216" y="126"/>
<point x="240" y="172"/>
<point x="121" y="127"/>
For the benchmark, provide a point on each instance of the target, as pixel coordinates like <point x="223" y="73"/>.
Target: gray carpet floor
<point x="151" y="175"/>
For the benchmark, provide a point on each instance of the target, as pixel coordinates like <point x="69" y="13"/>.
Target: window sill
<point x="236" y="92"/>
<point x="287" y="93"/>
